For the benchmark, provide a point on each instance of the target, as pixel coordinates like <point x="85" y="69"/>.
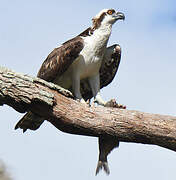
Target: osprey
<point x="83" y="65"/>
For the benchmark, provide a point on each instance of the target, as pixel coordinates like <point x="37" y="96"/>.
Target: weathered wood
<point x="19" y="90"/>
<point x="25" y="93"/>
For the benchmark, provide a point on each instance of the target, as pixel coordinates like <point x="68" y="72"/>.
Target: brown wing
<point x="60" y="59"/>
<point x="55" y="64"/>
<point x="110" y="65"/>
<point x="108" y="70"/>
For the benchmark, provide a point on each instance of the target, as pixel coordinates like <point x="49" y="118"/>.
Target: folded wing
<point x="60" y="59"/>
<point x="55" y="64"/>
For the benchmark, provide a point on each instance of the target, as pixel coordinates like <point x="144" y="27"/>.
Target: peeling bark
<point x="25" y="93"/>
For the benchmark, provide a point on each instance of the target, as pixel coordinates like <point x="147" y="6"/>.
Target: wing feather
<point x="110" y="65"/>
<point x="60" y="59"/>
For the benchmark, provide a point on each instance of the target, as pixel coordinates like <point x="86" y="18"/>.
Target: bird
<point x="83" y="65"/>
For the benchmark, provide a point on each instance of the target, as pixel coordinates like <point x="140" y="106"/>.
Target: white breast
<point x="89" y="61"/>
<point x="93" y="52"/>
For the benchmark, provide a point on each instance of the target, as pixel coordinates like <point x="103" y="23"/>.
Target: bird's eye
<point x="110" y="12"/>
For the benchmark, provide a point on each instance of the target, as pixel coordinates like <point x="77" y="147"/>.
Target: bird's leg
<point x="94" y="82"/>
<point x="76" y="87"/>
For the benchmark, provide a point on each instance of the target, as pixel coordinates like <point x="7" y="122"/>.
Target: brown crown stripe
<point x="97" y="21"/>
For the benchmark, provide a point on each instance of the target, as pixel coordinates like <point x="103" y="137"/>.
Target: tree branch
<point x="25" y="93"/>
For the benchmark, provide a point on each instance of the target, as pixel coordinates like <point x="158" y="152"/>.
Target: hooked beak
<point x="119" y="15"/>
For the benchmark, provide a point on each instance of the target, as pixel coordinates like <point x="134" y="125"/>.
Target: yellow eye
<point x="110" y="12"/>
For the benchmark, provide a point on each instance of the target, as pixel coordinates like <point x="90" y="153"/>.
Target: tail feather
<point x="102" y="165"/>
<point x="106" y="145"/>
<point x="29" y="121"/>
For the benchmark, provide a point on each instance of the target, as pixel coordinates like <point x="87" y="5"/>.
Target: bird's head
<point x="107" y="17"/>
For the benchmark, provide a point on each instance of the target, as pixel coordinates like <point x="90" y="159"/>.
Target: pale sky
<point x="30" y="30"/>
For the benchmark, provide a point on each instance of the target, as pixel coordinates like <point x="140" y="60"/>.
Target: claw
<point x="88" y="102"/>
<point x="82" y="101"/>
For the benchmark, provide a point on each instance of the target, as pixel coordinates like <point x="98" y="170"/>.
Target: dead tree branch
<point x="25" y="93"/>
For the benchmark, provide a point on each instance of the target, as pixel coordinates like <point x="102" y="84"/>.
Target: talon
<point x="88" y="102"/>
<point x="82" y="101"/>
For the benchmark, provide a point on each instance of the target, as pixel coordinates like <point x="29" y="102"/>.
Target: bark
<point x="57" y="105"/>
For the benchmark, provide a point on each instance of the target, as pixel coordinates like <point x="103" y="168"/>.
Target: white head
<point x="107" y="17"/>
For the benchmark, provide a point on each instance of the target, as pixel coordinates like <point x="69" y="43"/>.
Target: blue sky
<point x="30" y="30"/>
